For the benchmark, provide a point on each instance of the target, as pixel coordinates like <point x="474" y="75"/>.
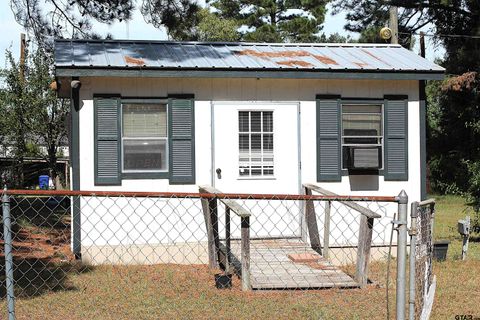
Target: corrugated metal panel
<point x="238" y="56"/>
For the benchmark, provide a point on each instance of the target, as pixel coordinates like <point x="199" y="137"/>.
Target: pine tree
<point x="275" y="20"/>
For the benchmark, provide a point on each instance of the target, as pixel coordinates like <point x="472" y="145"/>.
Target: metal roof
<point x="167" y="58"/>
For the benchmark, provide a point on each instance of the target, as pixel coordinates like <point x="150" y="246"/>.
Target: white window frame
<point x="250" y="176"/>
<point x="382" y="125"/>
<point x="167" y="157"/>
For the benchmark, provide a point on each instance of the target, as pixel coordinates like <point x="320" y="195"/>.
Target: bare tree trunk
<point x="52" y="164"/>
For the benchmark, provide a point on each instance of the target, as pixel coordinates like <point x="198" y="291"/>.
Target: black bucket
<point x="440" y="249"/>
<point x="223" y="281"/>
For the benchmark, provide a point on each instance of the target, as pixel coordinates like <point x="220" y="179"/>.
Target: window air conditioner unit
<point x="362" y="158"/>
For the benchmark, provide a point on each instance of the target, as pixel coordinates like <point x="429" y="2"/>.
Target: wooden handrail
<point x="210" y="209"/>
<point x="355" y="206"/>
<point x="426" y="202"/>
<point x="365" y="232"/>
<point x="232" y="204"/>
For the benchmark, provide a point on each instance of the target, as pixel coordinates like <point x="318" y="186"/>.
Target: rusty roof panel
<point x="238" y="56"/>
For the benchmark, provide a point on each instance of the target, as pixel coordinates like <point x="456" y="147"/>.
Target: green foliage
<point x="336" y="38"/>
<point x="473" y="192"/>
<point x="454" y="118"/>
<point x="213" y="28"/>
<point x="274" y="20"/>
<point x="31" y="113"/>
<point x="207" y="26"/>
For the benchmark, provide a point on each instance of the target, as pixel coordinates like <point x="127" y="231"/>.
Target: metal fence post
<point x="402" y="199"/>
<point x="413" y="248"/>
<point x="7" y="235"/>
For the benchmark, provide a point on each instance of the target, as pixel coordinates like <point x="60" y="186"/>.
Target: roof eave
<point x="251" y="73"/>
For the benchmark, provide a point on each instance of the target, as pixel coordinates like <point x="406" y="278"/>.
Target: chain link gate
<point x="312" y="241"/>
<point x="422" y="279"/>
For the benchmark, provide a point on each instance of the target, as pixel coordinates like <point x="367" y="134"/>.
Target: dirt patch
<point x="51" y="245"/>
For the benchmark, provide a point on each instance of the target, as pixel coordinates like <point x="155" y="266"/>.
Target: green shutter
<point x="396" y="139"/>
<point x="328" y="139"/>
<point x="181" y="141"/>
<point x="107" y="141"/>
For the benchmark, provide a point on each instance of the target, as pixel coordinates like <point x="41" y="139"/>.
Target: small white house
<point x="245" y="118"/>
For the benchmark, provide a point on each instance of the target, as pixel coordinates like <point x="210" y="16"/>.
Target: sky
<point x="138" y="29"/>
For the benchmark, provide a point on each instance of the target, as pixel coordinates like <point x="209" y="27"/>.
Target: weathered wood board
<point x="271" y="267"/>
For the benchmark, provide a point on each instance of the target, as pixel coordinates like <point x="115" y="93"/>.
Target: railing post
<point x="363" y="252"/>
<point x="402" y="199"/>
<point x="245" y="253"/>
<point x="413" y="248"/>
<point x="311" y="220"/>
<point x="7" y="234"/>
<point x="227" y="239"/>
<point x="326" y="229"/>
<point x="207" y="206"/>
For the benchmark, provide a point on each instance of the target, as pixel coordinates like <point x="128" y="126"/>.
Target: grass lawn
<point x="187" y="292"/>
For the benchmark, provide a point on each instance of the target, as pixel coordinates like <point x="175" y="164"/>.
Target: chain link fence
<point x="422" y="279"/>
<point x="264" y="242"/>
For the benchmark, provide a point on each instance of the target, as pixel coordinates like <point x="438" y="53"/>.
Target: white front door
<point x="256" y="148"/>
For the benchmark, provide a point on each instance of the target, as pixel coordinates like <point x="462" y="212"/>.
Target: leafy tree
<point x="213" y="28"/>
<point x="274" y="20"/>
<point x="33" y="116"/>
<point x="49" y="113"/>
<point x="207" y="26"/>
<point x="15" y="102"/>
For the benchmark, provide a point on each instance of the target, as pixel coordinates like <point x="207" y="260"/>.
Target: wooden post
<point x="245" y="253"/>
<point x="227" y="239"/>
<point x="326" y="229"/>
<point x="213" y="204"/>
<point x="206" y="206"/>
<point x="363" y="253"/>
<point x="311" y="220"/>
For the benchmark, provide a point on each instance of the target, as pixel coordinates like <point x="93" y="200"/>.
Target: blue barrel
<point x="43" y="182"/>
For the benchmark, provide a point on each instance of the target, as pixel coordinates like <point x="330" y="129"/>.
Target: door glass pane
<point x="268" y="121"/>
<point x="255" y="142"/>
<point x="243" y="122"/>
<point x="255" y="121"/>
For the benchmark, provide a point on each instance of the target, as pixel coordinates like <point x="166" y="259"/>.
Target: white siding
<point x="268" y="90"/>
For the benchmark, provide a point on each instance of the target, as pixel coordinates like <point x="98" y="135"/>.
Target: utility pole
<point x="22" y="55"/>
<point x="422" y="84"/>
<point x="422" y="44"/>
<point x="394" y="24"/>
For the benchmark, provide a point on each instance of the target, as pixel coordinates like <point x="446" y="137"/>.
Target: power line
<point x="442" y="35"/>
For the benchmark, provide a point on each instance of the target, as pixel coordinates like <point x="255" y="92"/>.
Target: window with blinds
<point x="255" y="143"/>
<point x="362" y="134"/>
<point x="144" y="137"/>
